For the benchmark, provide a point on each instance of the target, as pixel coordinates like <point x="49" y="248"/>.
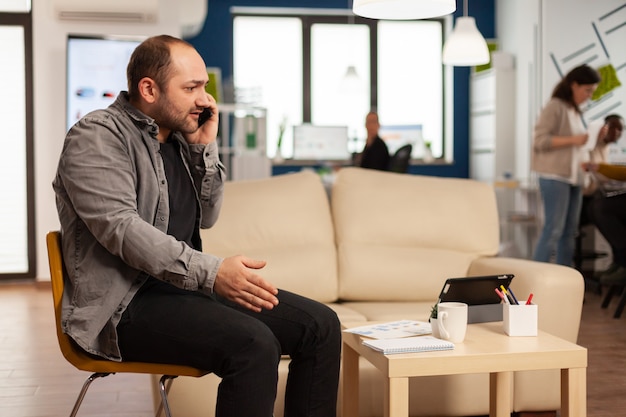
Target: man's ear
<point x="148" y="90"/>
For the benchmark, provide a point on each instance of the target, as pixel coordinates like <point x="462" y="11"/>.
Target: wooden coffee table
<point x="486" y="349"/>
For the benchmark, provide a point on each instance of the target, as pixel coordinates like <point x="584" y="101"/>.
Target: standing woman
<point x="557" y="155"/>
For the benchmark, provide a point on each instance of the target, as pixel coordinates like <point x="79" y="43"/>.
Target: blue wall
<point x="215" y="45"/>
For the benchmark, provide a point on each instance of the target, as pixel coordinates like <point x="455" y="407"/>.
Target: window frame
<point x="24" y="19"/>
<point x="310" y="16"/>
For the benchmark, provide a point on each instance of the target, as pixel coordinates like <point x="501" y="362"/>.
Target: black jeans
<point x="165" y="324"/>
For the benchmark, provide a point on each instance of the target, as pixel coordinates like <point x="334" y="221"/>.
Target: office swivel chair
<point x="582" y="254"/>
<point x="101" y="367"/>
<point x="399" y="162"/>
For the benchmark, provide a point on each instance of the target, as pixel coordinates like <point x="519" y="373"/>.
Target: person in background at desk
<point x="559" y="136"/>
<point x="607" y="206"/>
<point x="375" y="154"/>
<point x="601" y="134"/>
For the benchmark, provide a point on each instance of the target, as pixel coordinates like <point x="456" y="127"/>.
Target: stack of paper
<point x="393" y="329"/>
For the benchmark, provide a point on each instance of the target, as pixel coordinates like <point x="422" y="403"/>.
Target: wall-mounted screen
<point x="96" y="72"/>
<point x="320" y="143"/>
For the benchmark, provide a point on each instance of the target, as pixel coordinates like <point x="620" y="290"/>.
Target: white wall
<point x="517" y="30"/>
<point x="49" y="38"/>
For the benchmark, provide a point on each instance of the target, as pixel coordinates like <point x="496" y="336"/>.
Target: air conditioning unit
<point x="192" y="15"/>
<point x="107" y="10"/>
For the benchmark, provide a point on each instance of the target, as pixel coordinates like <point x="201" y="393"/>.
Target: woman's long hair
<point x="582" y="74"/>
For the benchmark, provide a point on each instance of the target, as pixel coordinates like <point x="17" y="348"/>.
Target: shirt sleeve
<point x="546" y="126"/>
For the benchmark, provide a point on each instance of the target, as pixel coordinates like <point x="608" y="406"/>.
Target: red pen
<point x="530" y="299"/>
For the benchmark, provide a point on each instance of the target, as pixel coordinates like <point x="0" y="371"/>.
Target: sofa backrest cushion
<point x="400" y="236"/>
<point x="286" y="221"/>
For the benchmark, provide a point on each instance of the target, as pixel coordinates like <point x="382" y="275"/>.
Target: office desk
<point x="486" y="349"/>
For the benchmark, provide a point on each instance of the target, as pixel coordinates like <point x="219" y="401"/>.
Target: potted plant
<point x="433" y="312"/>
<point x="281" y="132"/>
<point x="434" y="323"/>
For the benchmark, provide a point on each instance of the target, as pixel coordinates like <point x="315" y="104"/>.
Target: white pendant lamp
<point x="403" y="9"/>
<point x="465" y="46"/>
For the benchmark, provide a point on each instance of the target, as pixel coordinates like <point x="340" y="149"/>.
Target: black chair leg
<point x="165" y="383"/>
<point x="83" y="391"/>
<point x="613" y="290"/>
<point x="620" y="305"/>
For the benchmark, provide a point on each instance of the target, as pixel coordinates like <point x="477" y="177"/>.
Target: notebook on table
<point x="409" y="344"/>
<point x="479" y="294"/>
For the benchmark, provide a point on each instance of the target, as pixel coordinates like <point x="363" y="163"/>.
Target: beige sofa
<point x="380" y="249"/>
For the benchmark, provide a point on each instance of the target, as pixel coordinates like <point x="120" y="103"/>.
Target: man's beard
<point x="168" y="116"/>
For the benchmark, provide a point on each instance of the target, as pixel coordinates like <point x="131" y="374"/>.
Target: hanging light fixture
<point x="350" y="83"/>
<point x="465" y="46"/>
<point x="351" y="72"/>
<point x="403" y="9"/>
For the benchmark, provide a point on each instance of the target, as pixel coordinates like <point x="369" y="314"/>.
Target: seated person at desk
<point x="375" y="155"/>
<point x="606" y="208"/>
<point x="600" y="136"/>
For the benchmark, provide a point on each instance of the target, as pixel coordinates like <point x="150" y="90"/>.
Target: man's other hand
<point x="238" y="281"/>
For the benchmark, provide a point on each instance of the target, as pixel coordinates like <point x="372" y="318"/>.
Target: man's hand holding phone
<point x="208" y="121"/>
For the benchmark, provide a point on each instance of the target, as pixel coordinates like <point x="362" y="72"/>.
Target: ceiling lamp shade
<point x="403" y="9"/>
<point x="465" y="46"/>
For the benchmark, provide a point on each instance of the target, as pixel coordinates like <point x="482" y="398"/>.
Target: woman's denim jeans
<point x="561" y="206"/>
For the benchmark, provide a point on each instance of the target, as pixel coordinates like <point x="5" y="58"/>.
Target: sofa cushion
<point x="391" y="311"/>
<point x="347" y="314"/>
<point x="286" y="221"/>
<point x="400" y="236"/>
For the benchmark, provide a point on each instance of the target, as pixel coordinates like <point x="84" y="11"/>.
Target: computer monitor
<point x="96" y="72"/>
<point x="320" y="143"/>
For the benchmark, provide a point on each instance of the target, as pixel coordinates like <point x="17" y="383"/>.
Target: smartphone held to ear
<point x="205" y="115"/>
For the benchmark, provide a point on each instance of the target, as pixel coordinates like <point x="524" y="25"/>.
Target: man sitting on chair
<point x="135" y="183"/>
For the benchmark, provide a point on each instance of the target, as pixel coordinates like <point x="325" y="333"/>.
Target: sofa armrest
<point x="557" y="290"/>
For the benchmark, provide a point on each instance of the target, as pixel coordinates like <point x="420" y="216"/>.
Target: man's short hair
<point x="152" y="58"/>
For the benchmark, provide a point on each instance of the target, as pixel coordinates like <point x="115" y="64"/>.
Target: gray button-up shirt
<point x="112" y="199"/>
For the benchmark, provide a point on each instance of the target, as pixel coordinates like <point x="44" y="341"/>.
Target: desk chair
<point x="399" y="162"/>
<point x="585" y="225"/>
<point x="586" y="230"/>
<point x="614" y="290"/>
<point x="100" y="366"/>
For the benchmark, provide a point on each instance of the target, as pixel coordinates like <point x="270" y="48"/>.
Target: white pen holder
<point x="520" y="320"/>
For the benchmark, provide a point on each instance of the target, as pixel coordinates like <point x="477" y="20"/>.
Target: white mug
<point x="452" y="321"/>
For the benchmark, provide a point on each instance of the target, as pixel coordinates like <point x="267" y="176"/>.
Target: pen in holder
<point x="520" y="320"/>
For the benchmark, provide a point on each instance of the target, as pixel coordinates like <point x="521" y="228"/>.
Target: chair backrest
<point x="69" y="350"/>
<point x="55" y="260"/>
<point x="399" y="162"/>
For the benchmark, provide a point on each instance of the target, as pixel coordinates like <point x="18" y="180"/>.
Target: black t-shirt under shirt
<point x="181" y="193"/>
